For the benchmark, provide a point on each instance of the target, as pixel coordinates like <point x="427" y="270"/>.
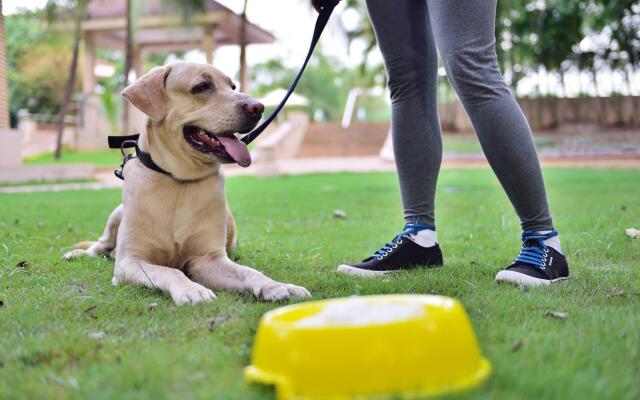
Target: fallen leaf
<point x="339" y="214"/>
<point x="214" y="323"/>
<point x="152" y="306"/>
<point x="98" y="335"/>
<point x="632" y="233"/>
<point x="516" y="345"/>
<point x="556" y="314"/>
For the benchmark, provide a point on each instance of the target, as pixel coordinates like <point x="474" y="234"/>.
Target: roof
<point x="162" y="29"/>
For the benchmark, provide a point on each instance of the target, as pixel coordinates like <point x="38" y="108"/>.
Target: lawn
<point x="100" y="158"/>
<point x="52" y="311"/>
<point x="464" y="144"/>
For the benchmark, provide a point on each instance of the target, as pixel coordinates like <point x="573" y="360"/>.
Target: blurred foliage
<point x="554" y="36"/>
<point x="368" y="74"/>
<point x="326" y="83"/>
<point x="558" y="36"/>
<point x="36" y="62"/>
<point x="186" y="8"/>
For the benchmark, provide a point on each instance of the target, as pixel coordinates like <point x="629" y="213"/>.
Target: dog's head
<point x="195" y="112"/>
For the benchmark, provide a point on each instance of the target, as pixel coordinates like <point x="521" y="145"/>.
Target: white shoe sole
<point x="525" y="280"/>
<point x="349" y="270"/>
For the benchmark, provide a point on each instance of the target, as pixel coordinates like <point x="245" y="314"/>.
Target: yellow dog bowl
<point x="408" y="345"/>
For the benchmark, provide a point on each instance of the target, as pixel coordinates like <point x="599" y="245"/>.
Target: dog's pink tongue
<point x="236" y="149"/>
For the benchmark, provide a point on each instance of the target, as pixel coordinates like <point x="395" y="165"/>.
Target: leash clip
<point x="125" y="144"/>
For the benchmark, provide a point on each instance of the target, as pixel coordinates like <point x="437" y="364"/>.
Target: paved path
<point x="298" y="166"/>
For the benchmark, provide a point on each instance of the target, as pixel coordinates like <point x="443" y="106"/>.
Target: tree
<point x="77" y="9"/>
<point x="367" y="75"/>
<point x="621" y="19"/>
<point x="326" y="83"/>
<point x="4" y="101"/>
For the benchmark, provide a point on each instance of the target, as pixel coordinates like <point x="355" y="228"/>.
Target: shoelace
<point x="408" y="229"/>
<point x="534" y="251"/>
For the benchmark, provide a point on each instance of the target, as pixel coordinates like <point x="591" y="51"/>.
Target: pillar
<point x="137" y="120"/>
<point x="88" y="69"/>
<point x="137" y="63"/>
<point x="10" y="141"/>
<point x="208" y="44"/>
<point x="4" y="90"/>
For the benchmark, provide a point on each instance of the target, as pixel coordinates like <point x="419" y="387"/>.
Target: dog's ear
<point x="148" y="93"/>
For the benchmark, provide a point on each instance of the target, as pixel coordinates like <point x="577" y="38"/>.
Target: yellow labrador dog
<point x="172" y="232"/>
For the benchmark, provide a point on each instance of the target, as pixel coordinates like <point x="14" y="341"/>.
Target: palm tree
<point x="78" y="10"/>
<point x="4" y="101"/>
<point x="366" y="75"/>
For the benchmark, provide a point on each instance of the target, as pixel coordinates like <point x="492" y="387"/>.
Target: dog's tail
<point x="83" y="245"/>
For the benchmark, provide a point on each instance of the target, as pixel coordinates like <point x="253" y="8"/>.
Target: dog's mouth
<point x="225" y="146"/>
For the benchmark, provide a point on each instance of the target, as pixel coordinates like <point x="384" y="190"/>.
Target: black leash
<point x="131" y="141"/>
<point x="326" y="9"/>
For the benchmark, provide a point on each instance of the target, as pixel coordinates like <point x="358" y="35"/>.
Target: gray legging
<point x="408" y="32"/>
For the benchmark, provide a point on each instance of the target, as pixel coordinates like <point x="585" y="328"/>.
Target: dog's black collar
<point x="131" y="141"/>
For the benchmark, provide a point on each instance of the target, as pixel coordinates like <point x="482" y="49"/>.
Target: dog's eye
<point x="233" y="86"/>
<point x="201" y="87"/>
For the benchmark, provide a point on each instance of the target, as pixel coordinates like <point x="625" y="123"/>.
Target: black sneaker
<point x="399" y="254"/>
<point x="537" y="264"/>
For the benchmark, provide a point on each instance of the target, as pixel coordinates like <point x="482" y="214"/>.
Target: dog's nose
<point x="253" y="107"/>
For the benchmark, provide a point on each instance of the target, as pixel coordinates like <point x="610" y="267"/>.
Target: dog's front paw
<point x="190" y="293"/>
<point x="73" y="254"/>
<point x="276" y="291"/>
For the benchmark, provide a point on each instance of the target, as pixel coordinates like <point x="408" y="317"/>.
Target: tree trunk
<point x="71" y="80"/>
<point x="594" y="75"/>
<point x="515" y="80"/>
<point x="128" y="63"/>
<point x="4" y="95"/>
<point x="628" y="77"/>
<point x="563" y="80"/>
<point x="244" y="78"/>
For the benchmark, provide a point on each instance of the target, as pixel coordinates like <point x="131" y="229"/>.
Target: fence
<point x="548" y="113"/>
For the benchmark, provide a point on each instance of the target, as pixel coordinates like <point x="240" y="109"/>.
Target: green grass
<point x="467" y="143"/>
<point x="460" y="144"/>
<point x="286" y="229"/>
<point x="101" y="158"/>
<point x="40" y="183"/>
